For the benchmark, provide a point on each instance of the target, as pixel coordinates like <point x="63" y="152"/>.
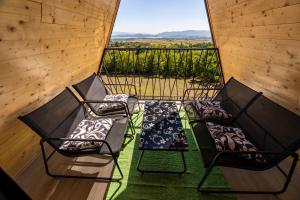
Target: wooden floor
<point x="40" y="186"/>
<point x="243" y="179"/>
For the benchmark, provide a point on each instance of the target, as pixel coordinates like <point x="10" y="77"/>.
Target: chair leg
<point x="131" y="125"/>
<point x="289" y="175"/>
<point x="45" y="159"/>
<point x="128" y="114"/>
<point x="139" y="107"/>
<point x="180" y="107"/>
<point x="214" y="190"/>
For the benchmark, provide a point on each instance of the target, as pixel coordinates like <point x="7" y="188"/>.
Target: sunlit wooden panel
<point x="259" y="44"/>
<point x="45" y="45"/>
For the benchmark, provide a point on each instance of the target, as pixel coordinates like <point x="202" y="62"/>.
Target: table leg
<point x="158" y="171"/>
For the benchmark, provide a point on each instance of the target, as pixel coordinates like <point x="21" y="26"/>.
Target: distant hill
<point x="188" y="34"/>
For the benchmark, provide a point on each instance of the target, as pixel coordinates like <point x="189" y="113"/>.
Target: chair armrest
<point x="80" y="140"/>
<point x="284" y="153"/>
<point x="123" y="84"/>
<point x="197" y="89"/>
<point x="128" y="84"/>
<point x="76" y="140"/>
<point x="258" y="152"/>
<point x="196" y="121"/>
<point x="103" y="101"/>
<point x="124" y="105"/>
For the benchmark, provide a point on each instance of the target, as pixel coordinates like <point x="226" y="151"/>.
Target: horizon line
<point x="163" y="31"/>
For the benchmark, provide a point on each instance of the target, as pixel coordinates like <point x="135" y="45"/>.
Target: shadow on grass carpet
<point x="148" y="186"/>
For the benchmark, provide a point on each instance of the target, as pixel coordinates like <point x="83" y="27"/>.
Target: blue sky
<point x="155" y="16"/>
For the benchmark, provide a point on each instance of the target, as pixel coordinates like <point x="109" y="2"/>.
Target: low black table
<point x="162" y="130"/>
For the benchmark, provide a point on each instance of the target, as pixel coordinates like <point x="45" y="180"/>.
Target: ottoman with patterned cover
<point x="162" y="130"/>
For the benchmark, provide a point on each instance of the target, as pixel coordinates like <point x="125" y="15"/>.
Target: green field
<point x="156" y="88"/>
<point x="161" y="72"/>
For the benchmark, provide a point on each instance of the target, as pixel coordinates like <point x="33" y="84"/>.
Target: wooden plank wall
<point x="45" y="45"/>
<point x="259" y="42"/>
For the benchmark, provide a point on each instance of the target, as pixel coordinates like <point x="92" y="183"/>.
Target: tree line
<point x="163" y="63"/>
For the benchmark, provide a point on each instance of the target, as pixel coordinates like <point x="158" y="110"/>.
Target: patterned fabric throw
<point x="88" y="129"/>
<point x="162" y="127"/>
<point x="211" y="110"/>
<point x="232" y="139"/>
<point x="109" y="107"/>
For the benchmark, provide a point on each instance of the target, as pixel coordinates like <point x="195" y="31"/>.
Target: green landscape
<point x="161" y="66"/>
<point x="162" y="43"/>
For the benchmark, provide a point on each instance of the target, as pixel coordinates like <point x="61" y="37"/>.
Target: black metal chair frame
<point x="135" y="95"/>
<point x="219" y="155"/>
<point x="123" y="84"/>
<point x="159" y="171"/>
<point x="234" y="118"/>
<point x="242" y="110"/>
<point x="47" y="158"/>
<point x="77" y="154"/>
<point x="288" y="175"/>
<point x="124" y="104"/>
<point x="285" y="153"/>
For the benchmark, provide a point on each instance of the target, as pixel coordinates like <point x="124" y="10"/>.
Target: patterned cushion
<point x="212" y="110"/>
<point x="162" y="127"/>
<point x="88" y="129"/>
<point x="108" y="107"/>
<point x="232" y="139"/>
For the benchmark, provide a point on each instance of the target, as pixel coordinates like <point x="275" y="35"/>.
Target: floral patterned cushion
<point x="212" y="110"/>
<point x="108" y="107"/>
<point x="232" y="139"/>
<point x="162" y="127"/>
<point x="88" y="129"/>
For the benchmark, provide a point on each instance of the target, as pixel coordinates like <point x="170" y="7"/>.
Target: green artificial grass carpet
<point x="148" y="186"/>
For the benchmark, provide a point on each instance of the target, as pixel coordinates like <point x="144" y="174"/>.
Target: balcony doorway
<point x="163" y="48"/>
